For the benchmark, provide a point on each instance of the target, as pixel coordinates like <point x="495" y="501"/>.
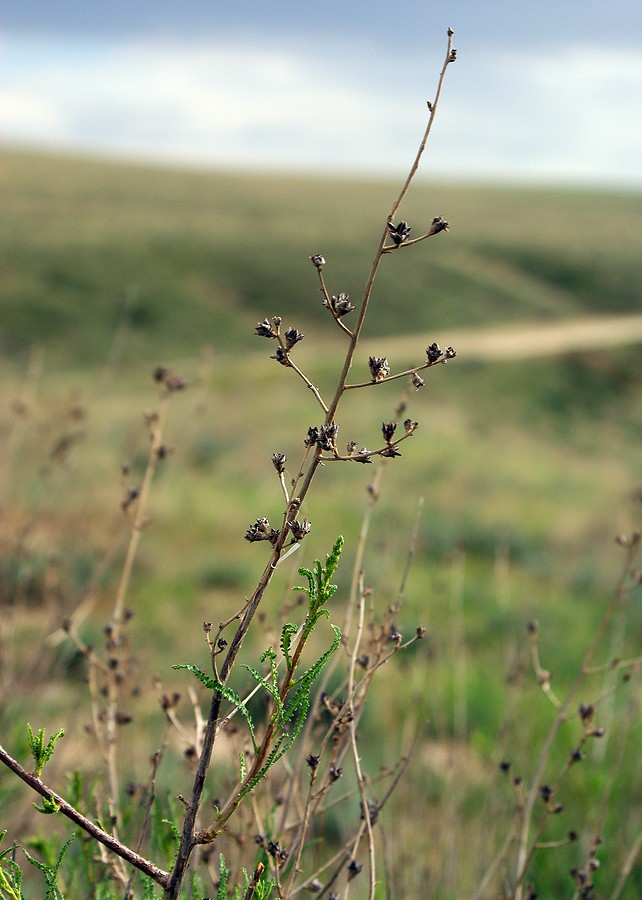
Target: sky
<point x="548" y="92"/>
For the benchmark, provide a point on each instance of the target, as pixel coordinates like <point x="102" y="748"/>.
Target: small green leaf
<point x="42" y="754"/>
<point x="49" y="806"/>
<point x="221" y="893"/>
<point x="287" y="633"/>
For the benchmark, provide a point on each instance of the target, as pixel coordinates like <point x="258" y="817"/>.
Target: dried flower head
<point x="339" y="304"/>
<point x="278" y="461"/>
<point x="379" y="368"/>
<point x="388" y="429"/>
<point x="353" y="869"/>
<point x="275" y="850"/>
<point x="300" y="529"/>
<point x="417" y="381"/>
<point x="313" y="436"/>
<point x="261" y="531"/>
<point x="317" y="260"/>
<point x="266" y="329"/>
<point x="410" y="426"/>
<point x="434" y="353"/>
<point x="327" y="436"/>
<point x="399" y="233"/>
<point x="438" y="224"/>
<point x="292" y="337"/>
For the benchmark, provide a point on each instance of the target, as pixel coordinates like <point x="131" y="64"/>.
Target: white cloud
<point x="568" y="113"/>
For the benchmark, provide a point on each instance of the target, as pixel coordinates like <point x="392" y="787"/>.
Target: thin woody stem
<point x="188" y="837"/>
<point x="107" y="840"/>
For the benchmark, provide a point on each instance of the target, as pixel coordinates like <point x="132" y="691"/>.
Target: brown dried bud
<point x="379" y="368"/>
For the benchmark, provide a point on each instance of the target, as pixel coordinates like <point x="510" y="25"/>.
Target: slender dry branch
<point x="526" y="848"/>
<point x="107" y="840"/>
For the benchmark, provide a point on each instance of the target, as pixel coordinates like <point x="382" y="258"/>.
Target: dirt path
<point x="519" y="342"/>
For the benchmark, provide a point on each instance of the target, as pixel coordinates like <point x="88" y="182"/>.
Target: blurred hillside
<point x="182" y="258"/>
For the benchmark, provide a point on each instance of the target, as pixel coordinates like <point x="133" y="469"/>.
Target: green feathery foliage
<point x="10" y="873"/>
<point x="42" y="753"/>
<point x="224" y="691"/>
<point x="50" y="872"/>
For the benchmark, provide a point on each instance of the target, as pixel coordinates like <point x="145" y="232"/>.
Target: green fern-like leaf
<point x="10" y="873"/>
<point x="50" y="872"/>
<point x="332" y="562"/>
<point x="303" y="685"/>
<point x="311" y="588"/>
<point x="287" y="633"/>
<point x="205" y="679"/>
<point x="40" y="751"/>
<point x="48" y="808"/>
<point x="221" y="893"/>
<point x="272" y="689"/>
<point x="226" y="692"/>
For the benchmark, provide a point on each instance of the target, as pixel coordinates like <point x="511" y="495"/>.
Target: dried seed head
<point x="312" y="760"/>
<point x="417" y="381"/>
<point x="395" y="635"/>
<point x="388" y="429"/>
<point x="300" y="529"/>
<point x="398" y="233"/>
<point x="438" y="224"/>
<point x="339" y="304"/>
<point x="327" y="436"/>
<point x="278" y="461"/>
<point x="265" y="329"/>
<point x="434" y="353"/>
<point x="546" y="792"/>
<point x="259" y="531"/>
<point x="317" y="260"/>
<point x="450" y="353"/>
<point x="292" y="337"/>
<point x="586" y="712"/>
<point x="379" y="368"/>
<point x="353" y="869"/>
<point x="281" y="356"/>
<point x="334" y="773"/>
<point x="410" y="426"/>
<point x="275" y="850"/>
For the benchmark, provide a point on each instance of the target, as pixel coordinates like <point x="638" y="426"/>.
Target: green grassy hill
<point x="191" y="257"/>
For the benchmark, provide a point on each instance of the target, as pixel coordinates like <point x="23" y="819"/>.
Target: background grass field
<point x="528" y="466"/>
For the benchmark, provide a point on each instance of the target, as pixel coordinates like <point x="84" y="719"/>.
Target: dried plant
<point x="284" y="679"/>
